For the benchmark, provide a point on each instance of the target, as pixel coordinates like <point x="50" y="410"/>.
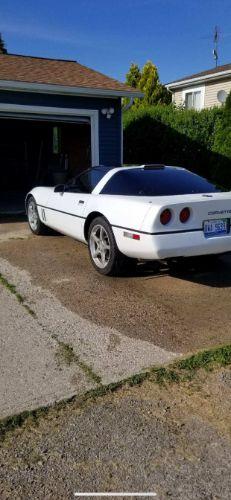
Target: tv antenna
<point x="216" y="38"/>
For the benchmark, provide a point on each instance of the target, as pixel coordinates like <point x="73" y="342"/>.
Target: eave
<point x="202" y="79"/>
<point x="19" y="86"/>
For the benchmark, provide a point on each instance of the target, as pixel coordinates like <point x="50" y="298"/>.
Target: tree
<point x="3" y="49"/>
<point x="132" y="79"/>
<point x="147" y="81"/>
<point x="133" y="76"/>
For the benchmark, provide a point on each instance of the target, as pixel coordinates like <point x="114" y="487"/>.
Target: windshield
<point x="157" y="182"/>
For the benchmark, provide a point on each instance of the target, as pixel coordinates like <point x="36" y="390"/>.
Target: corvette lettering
<point x="217" y="212"/>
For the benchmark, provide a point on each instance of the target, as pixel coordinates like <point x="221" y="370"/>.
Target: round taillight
<point x="165" y="216"/>
<point x="184" y="214"/>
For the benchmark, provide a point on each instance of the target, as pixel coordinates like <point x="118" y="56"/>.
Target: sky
<point x="107" y="35"/>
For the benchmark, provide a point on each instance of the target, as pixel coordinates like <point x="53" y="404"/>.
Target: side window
<point x="86" y="182"/>
<point x="83" y="182"/>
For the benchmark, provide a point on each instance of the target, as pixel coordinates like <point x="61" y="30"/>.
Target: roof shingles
<point x="213" y="71"/>
<point x="55" y="72"/>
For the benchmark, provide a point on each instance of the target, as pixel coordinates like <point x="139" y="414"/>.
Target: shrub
<point x="175" y="136"/>
<point x="222" y="142"/>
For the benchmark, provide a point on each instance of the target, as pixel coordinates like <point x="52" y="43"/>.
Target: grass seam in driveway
<point x="180" y="371"/>
<point x="66" y="354"/>
<point x="12" y="289"/>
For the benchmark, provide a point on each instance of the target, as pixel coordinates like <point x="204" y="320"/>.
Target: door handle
<point x="80" y="202"/>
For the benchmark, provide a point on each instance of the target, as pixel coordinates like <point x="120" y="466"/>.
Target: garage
<point x="40" y="153"/>
<point x="57" y="118"/>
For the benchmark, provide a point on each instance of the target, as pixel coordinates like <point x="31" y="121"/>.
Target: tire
<point x="104" y="253"/>
<point x="35" y="224"/>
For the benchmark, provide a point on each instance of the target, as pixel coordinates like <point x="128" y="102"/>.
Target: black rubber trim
<point x="61" y="211"/>
<point x="127" y="228"/>
<point x="159" y="233"/>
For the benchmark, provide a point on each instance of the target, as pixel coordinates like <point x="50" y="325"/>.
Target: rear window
<point x="159" y="182"/>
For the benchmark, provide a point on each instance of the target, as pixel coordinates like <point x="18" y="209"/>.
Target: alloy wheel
<point x="100" y="247"/>
<point x="32" y="215"/>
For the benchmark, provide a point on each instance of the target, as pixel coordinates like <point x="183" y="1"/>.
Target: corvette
<point x="149" y="212"/>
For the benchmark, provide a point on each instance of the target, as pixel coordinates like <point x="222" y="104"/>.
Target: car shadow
<point x="211" y="271"/>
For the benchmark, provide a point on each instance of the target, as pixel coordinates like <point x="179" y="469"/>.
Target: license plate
<point x="216" y="227"/>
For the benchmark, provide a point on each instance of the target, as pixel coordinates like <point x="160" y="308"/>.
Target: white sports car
<point x="148" y="212"/>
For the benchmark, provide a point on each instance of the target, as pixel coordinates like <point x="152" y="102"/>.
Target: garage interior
<point x="39" y="152"/>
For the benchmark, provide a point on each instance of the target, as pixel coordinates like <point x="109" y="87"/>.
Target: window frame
<point x="192" y="90"/>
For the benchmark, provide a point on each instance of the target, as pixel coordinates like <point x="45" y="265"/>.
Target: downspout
<point x="129" y="104"/>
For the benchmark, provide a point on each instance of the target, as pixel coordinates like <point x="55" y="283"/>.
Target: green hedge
<point x="222" y="141"/>
<point x="164" y="134"/>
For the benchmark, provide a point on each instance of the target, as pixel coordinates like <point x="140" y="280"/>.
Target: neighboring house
<point x="202" y="90"/>
<point x="57" y="117"/>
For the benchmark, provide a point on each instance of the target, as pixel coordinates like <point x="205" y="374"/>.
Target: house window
<point x="194" y="98"/>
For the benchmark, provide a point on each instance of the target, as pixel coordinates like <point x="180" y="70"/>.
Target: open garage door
<point x="40" y="152"/>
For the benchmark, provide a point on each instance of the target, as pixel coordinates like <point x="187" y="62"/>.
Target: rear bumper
<point x="190" y="244"/>
<point x="187" y="244"/>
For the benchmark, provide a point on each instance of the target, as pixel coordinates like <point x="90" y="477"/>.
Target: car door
<point x="67" y="205"/>
<point x="65" y="212"/>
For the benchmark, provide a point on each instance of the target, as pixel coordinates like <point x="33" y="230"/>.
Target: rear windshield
<point x="159" y="182"/>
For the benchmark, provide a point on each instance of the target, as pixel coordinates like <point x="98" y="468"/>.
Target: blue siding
<point x="109" y="130"/>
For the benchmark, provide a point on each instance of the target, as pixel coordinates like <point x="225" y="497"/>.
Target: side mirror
<point x="60" y="188"/>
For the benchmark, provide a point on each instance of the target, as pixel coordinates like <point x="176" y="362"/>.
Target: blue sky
<point x="108" y="35"/>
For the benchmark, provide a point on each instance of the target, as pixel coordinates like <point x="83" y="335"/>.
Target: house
<point x="202" y="90"/>
<point x="57" y="117"/>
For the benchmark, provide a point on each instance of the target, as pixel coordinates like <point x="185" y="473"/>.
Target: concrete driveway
<point x="65" y="329"/>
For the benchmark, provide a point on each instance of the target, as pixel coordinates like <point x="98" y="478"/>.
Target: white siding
<point x="210" y="94"/>
<point x="177" y="97"/>
<point x="211" y="90"/>
<point x="179" y="94"/>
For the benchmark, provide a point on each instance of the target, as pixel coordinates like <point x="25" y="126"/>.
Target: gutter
<point x="188" y="82"/>
<point x="20" y="86"/>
